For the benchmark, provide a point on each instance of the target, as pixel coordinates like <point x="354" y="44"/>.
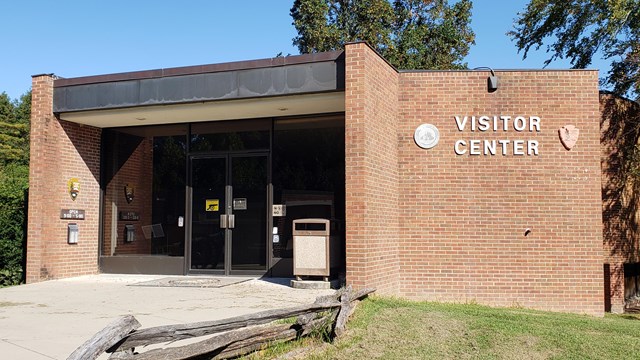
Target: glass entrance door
<point x="229" y="214"/>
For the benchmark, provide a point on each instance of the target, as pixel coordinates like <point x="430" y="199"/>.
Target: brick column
<point x="371" y="150"/>
<point x="60" y="150"/>
<point x="41" y="117"/>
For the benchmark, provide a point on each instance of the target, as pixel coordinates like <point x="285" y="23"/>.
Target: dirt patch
<point x="522" y="348"/>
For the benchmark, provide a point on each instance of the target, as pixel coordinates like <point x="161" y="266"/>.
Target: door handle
<point x="227" y="221"/>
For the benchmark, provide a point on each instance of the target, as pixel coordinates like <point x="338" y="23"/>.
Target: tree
<point x="14" y="129"/>
<point x="410" y="34"/>
<point x="14" y="180"/>
<point x="578" y="29"/>
<point x="6" y="108"/>
<point x="22" y="109"/>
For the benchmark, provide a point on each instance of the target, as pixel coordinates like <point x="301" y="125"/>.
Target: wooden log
<point x="357" y="295"/>
<point x="323" y="323"/>
<point x="256" y="343"/>
<point x="236" y="342"/>
<point x="343" y="314"/>
<point x="213" y="344"/>
<point x="361" y="294"/>
<point x="122" y="355"/>
<point x="332" y="297"/>
<point x="306" y="318"/>
<point x="347" y="307"/>
<point x="186" y="331"/>
<point x="105" y="338"/>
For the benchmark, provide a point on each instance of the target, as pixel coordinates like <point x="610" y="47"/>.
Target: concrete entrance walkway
<point x="49" y="320"/>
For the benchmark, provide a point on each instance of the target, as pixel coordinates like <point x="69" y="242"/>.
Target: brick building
<point x="620" y="174"/>
<point x="492" y="206"/>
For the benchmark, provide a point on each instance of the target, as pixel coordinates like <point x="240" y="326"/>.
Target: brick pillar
<point x="60" y="150"/>
<point x="41" y="117"/>
<point x="371" y="162"/>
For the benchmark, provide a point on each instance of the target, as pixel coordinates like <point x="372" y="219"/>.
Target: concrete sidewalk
<point x="49" y="320"/>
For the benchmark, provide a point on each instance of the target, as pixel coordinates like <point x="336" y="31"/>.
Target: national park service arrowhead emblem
<point x="73" y="186"/>
<point x="568" y="136"/>
<point x="129" y="193"/>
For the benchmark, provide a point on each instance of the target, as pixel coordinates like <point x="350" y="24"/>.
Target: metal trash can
<point x="311" y="248"/>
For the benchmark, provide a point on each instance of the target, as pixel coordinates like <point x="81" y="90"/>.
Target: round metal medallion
<point x="426" y="136"/>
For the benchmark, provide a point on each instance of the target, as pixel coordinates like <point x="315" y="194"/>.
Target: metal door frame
<point x="228" y="237"/>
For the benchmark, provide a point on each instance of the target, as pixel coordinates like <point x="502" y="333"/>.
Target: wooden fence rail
<point x="232" y="337"/>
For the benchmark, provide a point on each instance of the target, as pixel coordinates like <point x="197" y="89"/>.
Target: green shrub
<point x="14" y="180"/>
<point x="11" y="276"/>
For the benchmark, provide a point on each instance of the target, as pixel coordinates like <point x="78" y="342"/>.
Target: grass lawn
<point x="384" y="328"/>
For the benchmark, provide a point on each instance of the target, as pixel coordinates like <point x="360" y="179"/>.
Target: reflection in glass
<point x="207" y="238"/>
<point x="230" y="136"/>
<point x="249" y="180"/>
<point x="169" y="162"/>
<point x="144" y="183"/>
<point x="308" y="175"/>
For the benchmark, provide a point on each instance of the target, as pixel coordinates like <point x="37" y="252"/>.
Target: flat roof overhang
<point x="285" y="86"/>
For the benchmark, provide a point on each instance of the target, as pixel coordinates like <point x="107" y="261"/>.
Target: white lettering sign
<point x="497" y="123"/>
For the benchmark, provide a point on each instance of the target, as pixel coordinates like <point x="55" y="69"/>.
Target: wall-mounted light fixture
<point x="492" y="81"/>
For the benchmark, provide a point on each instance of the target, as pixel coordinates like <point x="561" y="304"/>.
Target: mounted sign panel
<point x="279" y="210"/>
<point x="212" y="205"/>
<point x="74" y="214"/>
<point x="129" y="215"/>
<point x="240" y="204"/>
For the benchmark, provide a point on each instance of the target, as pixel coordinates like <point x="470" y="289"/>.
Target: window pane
<point x="144" y="191"/>
<point x="308" y="175"/>
<point x="230" y="135"/>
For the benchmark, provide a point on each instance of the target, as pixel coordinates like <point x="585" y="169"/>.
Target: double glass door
<point x="229" y="214"/>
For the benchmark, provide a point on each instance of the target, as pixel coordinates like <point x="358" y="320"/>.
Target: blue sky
<point x="78" y="38"/>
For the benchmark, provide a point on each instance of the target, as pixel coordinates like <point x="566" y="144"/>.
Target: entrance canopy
<point x="293" y="85"/>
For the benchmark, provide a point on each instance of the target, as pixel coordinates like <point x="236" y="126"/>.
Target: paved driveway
<point x="49" y="320"/>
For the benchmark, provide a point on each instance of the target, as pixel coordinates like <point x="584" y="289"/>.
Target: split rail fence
<point x="226" y="339"/>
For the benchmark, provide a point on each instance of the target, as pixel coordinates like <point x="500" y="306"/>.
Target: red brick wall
<point x="460" y="220"/>
<point x="60" y="151"/>
<point x="469" y="213"/>
<point x="371" y="161"/>
<point x="620" y="191"/>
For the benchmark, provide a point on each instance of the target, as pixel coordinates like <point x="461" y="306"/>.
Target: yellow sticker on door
<point x="212" y="204"/>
